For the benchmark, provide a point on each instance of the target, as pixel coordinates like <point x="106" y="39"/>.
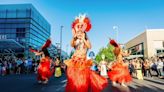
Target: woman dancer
<point x="58" y="72"/>
<point x="103" y="67"/>
<point x="119" y="70"/>
<point x="79" y="76"/>
<point x="44" y="71"/>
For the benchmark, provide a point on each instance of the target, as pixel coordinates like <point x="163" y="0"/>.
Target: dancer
<point x="119" y="70"/>
<point x="44" y="71"/>
<point x="80" y="78"/>
<point x="103" y="67"/>
<point x="58" y="72"/>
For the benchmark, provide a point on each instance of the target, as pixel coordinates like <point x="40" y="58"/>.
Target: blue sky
<point x="131" y="16"/>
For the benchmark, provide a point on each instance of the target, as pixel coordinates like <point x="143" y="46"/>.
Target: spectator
<point x="10" y="67"/>
<point x="131" y="67"/>
<point x="19" y="62"/>
<point x="147" y="68"/>
<point x="26" y="66"/>
<point x="138" y="68"/>
<point x="160" y="68"/>
<point x="0" y="68"/>
<point x="3" y="70"/>
<point x="30" y="64"/>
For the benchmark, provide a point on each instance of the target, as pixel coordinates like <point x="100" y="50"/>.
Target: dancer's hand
<point x="83" y="36"/>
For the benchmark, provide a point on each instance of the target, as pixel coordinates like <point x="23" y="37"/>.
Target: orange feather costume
<point x="44" y="71"/>
<point x="119" y="71"/>
<point x="80" y="78"/>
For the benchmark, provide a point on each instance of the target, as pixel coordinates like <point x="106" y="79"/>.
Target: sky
<point x="131" y="17"/>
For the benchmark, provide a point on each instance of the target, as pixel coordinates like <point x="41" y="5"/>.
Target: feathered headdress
<point x="47" y="44"/>
<point x="81" y="22"/>
<point x="113" y="42"/>
<point x="117" y="49"/>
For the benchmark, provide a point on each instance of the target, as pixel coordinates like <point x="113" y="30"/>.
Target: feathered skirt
<point x="80" y="78"/>
<point x="119" y="73"/>
<point x="44" y="71"/>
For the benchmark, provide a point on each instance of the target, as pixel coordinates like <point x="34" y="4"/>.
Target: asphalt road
<point x="28" y="83"/>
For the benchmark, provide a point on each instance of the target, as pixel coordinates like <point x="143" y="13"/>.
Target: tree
<point x="108" y="52"/>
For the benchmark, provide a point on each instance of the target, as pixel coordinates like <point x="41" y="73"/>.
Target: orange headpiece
<point x="81" y="22"/>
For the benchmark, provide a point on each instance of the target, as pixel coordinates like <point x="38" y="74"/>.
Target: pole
<point x="61" y="43"/>
<point x="115" y="28"/>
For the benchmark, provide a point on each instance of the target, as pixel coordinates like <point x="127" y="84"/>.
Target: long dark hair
<point x="86" y="36"/>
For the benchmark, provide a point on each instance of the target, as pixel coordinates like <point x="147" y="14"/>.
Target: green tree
<point x="108" y="52"/>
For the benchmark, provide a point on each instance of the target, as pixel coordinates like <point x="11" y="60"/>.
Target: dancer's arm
<point x="86" y="42"/>
<point x="38" y="53"/>
<point x="73" y="42"/>
<point x="74" y="38"/>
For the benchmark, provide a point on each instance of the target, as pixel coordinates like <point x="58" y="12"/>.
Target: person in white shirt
<point x="160" y="67"/>
<point x="103" y="67"/>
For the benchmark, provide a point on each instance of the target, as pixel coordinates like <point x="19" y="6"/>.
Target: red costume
<point x="80" y="78"/>
<point x="119" y="71"/>
<point x="44" y="71"/>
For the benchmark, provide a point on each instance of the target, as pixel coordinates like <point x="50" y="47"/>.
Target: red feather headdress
<point x="82" y="22"/>
<point x="114" y="43"/>
<point x="47" y="44"/>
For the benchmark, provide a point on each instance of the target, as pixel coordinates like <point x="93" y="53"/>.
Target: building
<point x="147" y="44"/>
<point x="21" y="26"/>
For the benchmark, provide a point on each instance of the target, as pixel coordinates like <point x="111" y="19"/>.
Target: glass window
<point x="2" y="26"/>
<point x="11" y="13"/>
<point x="21" y="13"/>
<point x="20" y="32"/>
<point x="28" y="12"/>
<point x="12" y="36"/>
<point x="158" y="51"/>
<point x="2" y="13"/>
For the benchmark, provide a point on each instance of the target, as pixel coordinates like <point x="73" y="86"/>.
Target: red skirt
<point x="81" y="79"/>
<point x="119" y="73"/>
<point x="44" y="71"/>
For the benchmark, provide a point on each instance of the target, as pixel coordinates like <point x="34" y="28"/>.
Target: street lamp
<point x="115" y="28"/>
<point x="58" y="49"/>
<point x="61" y="43"/>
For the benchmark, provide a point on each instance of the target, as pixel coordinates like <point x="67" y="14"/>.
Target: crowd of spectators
<point x="14" y="65"/>
<point x="153" y="66"/>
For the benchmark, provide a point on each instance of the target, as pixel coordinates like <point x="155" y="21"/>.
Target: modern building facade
<point x="24" y="25"/>
<point x="147" y="44"/>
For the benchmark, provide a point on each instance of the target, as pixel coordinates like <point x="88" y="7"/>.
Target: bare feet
<point x="122" y="84"/>
<point x="39" y="81"/>
<point x="45" y="82"/>
<point x="114" y="83"/>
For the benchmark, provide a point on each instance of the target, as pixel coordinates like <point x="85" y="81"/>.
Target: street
<point x="28" y="83"/>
